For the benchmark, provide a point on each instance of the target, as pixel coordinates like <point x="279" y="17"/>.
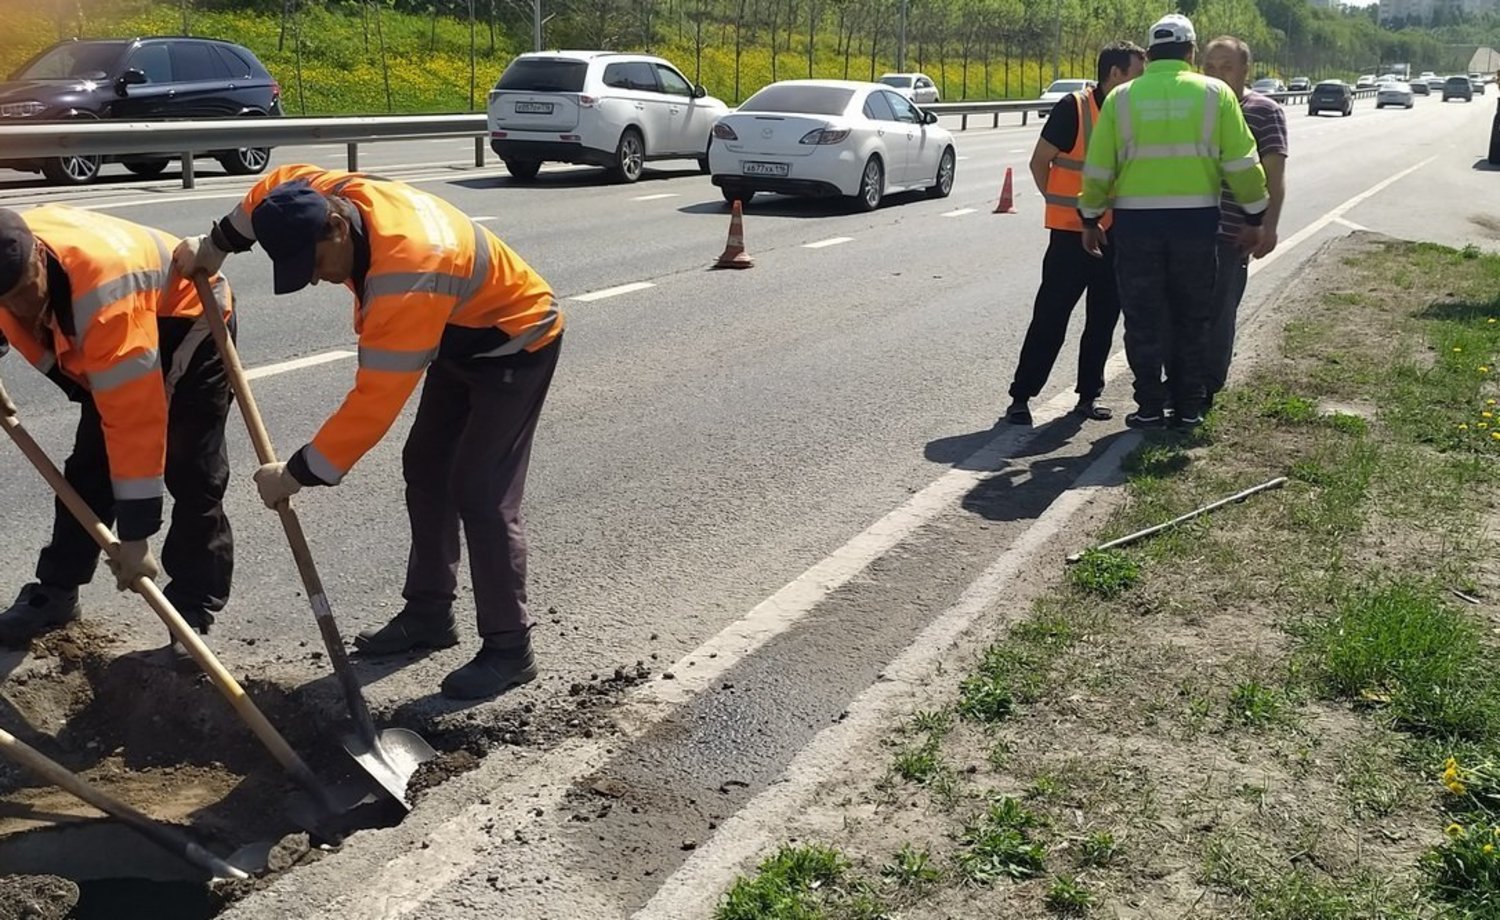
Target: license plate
<point x="765" y="169"/>
<point x="533" y="108"/>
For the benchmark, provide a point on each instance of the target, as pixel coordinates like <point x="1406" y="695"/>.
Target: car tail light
<point x="587" y="102"/>
<point x="725" y="133"/>
<point x="825" y="136"/>
<point x="275" y="90"/>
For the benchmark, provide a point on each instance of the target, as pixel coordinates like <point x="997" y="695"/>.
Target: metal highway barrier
<point x="91" y="138"/>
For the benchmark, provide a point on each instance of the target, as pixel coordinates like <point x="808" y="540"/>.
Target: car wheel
<point x="630" y="156"/>
<point x="944" y="185"/>
<point x="147" y="168"/>
<point x="71" y="170"/>
<point x="1348" y="111"/>
<point x="1311" y="110"/>
<point x="246" y="161"/>
<point x="871" y="185"/>
<point x="523" y="170"/>
<point x="743" y="196"/>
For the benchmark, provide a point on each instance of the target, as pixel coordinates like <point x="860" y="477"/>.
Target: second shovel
<point x="389" y="755"/>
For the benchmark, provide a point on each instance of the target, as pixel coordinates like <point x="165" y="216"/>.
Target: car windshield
<point x="898" y="82"/>
<point x="1066" y="86"/>
<point x="73" y="61"/>
<point x="544" y="75"/>
<point x="804" y="100"/>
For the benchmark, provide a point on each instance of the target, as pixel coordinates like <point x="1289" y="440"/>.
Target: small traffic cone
<point x="734" y="251"/>
<point x="1007" y="203"/>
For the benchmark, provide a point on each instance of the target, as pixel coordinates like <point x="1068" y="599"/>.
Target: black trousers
<point x="465" y="464"/>
<point x="198" y="553"/>
<point x="1167" y="296"/>
<point x="1067" y="273"/>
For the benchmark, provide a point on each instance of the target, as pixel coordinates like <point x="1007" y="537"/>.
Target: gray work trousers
<point x="1229" y="290"/>
<point x="465" y="462"/>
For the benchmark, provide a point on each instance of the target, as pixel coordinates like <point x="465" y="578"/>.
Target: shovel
<point x="390" y="756"/>
<point x="165" y="836"/>
<point x="243" y="706"/>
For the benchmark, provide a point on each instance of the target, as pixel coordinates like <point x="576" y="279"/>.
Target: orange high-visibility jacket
<point x="122" y="287"/>
<point x="435" y="279"/>
<point x="1065" y="179"/>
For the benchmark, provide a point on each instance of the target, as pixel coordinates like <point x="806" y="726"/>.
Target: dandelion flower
<point x="1488" y="849"/>
<point x="1454" y="830"/>
<point x="1495" y="435"/>
<point x="1457" y="350"/>
<point x="1489" y="402"/>
<point x="1483" y="369"/>
<point x="1492" y="319"/>
<point x="1486" y="415"/>
<point x="1463" y="426"/>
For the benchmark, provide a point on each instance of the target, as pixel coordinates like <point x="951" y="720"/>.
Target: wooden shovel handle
<point x="158" y="602"/>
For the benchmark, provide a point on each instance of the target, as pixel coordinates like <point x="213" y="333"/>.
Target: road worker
<point x="91" y="301"/>
<point x="439" y="295"/>
<point x="1163" y="145"/>
<point x="1067" y="271"/>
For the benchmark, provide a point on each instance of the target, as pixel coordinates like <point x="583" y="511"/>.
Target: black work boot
<point x="412" y="628"/>
<point x="1018" y="413"/>
<point x="38" y="609"/>
<point x="502" y="663"/>
<point x="175" y="655"/>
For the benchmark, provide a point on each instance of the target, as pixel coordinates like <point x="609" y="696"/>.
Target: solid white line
<point x="758" y="826"/>
<point x="656" y="197"/>
<point x="960" y="212"/>
<point x="834" y="241"/>
<point x="297" y="364"/>
<point x="614" y="291"/>
<point x="1350" y="224"/>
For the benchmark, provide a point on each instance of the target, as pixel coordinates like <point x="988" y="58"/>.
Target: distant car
<point x="1458" y="88"/>
<point x="1420" y="88"/>
<point x="1427" y="75"/>
<point x="1331" y="96"/>
<point x="1477" y="83"/>
<point x="1299" y="85"/>
<point x="830" y="138"/>
<point x="1268" y="85"/>
<point x="1436" y="83"/>
<point x="918" y="87"/>
<point x="1364" y="81"/>
<point x="1398" y="94"/>
<point x="142" y="79"/>
<point x="598" y="108"/>
<point x="1061" y="88"/>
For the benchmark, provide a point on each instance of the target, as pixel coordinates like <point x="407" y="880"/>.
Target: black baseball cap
<point x="16" y="247"/>
<point x="288" y="224"/>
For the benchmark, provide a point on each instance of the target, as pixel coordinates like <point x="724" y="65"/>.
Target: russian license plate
<point x="764" y="169"/>
<point x="533" y="108"/>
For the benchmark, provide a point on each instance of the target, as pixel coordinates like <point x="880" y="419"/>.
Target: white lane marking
<point x="758" y="826"/>
<point x="1350" y="224"/>
<point x="614" y="291"/>
<point x="405" y="883"/>
<point x="486" y="217"/>
<point x="297" y="364"/>
<point x="960" y="212"/>
<point x="657" y="197"/>
<point x="833" y="241"/>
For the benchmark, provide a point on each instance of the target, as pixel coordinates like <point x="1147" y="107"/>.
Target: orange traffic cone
<point x="734" y="251"/>
<point x="1007" y="203"/>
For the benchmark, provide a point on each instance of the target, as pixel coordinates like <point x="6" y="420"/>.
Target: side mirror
<point x="699" y="92"/>
<point x="132" y="77"/>
<point x="929" y="118"/>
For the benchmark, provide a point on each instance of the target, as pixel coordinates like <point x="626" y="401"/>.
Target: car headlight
<point x="21" y="109"/>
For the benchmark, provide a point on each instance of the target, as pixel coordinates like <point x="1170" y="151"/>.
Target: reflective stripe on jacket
<point x="431" y="269"/>
<point x="1065" y="177"/>
<point x="1166" y="140"/>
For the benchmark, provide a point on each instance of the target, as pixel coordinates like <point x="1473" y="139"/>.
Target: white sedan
<point x="829" y="138"/>
<point x="1394" y="93"/>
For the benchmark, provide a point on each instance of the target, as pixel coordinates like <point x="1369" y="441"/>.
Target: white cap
<point x="1173" y="28"/>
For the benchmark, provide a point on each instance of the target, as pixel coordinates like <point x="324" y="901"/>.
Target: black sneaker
<point x="412" y="628"/>
<point x="37" y="610"/>
<point x="1018" y="413"/>
<point x="1090" y="409"/>
<point x="492" y="672"/>
<point x="1145" y="420"/>
<point x="1188" y="420"/>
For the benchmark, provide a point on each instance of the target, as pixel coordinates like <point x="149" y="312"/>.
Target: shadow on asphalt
<point x="117" y="176"/>
<point x="1483" y="164"/>
<point x="767" y="205"/>
<point x="957" y="450"/>
<point x="1022" y="492"/>
<point x="579" y="178"/>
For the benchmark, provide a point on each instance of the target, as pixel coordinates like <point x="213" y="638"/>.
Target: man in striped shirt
<point x="1228" y="59"/>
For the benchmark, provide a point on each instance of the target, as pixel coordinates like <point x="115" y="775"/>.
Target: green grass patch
<point x="1105" y="573"/>
<point x="996" y="845"/>
<point x="810" y="882"/>
<point x="1068" y="896"/>
<point x="912" y="868"/>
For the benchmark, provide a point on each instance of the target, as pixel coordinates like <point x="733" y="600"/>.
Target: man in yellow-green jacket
<point x="1164" y="144"/>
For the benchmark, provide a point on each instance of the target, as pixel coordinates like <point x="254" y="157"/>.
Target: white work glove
<point x="276" y="484"/>
<point x="131" y="561"/>
<point x="198" y="253"/>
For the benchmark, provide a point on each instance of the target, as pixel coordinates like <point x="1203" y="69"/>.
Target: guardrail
<point x="118" y="138"/>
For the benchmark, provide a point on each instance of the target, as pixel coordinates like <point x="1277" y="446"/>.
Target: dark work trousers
<point x="1229" y="290"/>
<point x="465" y="461"/>
<point x="1166" y="294"/>
<point x="198" y="553"/>
<point x="1067" y="272"/>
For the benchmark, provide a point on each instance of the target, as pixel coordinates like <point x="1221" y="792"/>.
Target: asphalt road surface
<point x="712" y="440"/>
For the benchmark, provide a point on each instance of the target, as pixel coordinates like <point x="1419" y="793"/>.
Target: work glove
<point x="131" y="561"/>
<point x="276" y="484"/>
<point x="198" y="253"/>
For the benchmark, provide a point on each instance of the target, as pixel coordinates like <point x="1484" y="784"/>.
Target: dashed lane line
<point x="832" y="241"/>
<point x="614" y="291"/>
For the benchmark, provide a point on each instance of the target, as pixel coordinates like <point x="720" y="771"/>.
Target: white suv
<point x="598" y="108"/>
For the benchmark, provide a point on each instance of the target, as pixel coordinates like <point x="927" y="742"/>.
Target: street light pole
<point x="1057" y="43"/>
<point x="536" y="25"/>
<point x="901" y="43"/>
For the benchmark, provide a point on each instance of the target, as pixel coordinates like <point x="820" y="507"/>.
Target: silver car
<point x="918" y="87"/>
<point x="1397" y="94"/>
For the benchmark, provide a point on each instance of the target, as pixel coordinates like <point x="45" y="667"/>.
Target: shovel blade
<point x="391" y="759"/>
